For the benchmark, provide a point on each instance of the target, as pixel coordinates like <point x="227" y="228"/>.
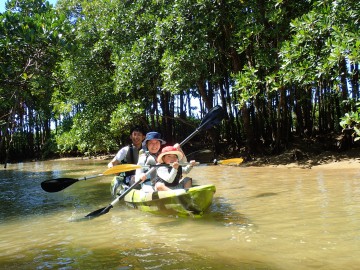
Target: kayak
<point x="181" y="202"/>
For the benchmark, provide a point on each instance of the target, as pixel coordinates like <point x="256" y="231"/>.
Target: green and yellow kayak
<point x="180" y="202"/>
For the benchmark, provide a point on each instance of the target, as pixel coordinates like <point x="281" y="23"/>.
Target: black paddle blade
<point x="105" y="210"/>
<point x="99" y="212"/>
<point x="213" y="117"/>
<point x="55" y="185"/>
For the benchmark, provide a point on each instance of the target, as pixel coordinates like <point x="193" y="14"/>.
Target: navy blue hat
<point x="153" y="135"/>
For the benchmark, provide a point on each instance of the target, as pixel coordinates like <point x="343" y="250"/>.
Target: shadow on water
<point x="21" y="194"/>
<point x="265" y="194"/>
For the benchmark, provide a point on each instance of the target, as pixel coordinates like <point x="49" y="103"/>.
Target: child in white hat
<point x="171" y="177"/>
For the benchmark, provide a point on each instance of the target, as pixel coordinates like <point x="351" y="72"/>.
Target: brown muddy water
<point x="261" y="218"/>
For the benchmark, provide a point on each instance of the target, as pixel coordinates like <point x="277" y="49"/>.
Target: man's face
<point x="137" y="137"/>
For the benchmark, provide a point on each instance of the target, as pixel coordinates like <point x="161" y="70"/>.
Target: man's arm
<point x="120" y="156"/>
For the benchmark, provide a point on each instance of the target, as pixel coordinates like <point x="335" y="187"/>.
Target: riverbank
<point x="295" y="158"/>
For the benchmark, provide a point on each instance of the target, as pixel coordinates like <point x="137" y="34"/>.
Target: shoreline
<point x="351" y="163"/>
<point x="326" y="160"/>
<point x="294" y="158"/>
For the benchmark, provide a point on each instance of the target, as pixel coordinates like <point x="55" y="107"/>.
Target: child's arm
<point x="165" y="175"/>
<point x="189" y="167"/>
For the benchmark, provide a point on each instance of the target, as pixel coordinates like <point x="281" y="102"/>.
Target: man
<point x="128" y="154"/>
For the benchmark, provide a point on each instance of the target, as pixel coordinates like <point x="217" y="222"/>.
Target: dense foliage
<point x="76" y="77"/>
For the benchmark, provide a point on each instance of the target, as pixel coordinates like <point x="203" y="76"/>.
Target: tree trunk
<point x="355" y="81"/>
<point x="206" y="98"/>
<point x="343" y="78"/>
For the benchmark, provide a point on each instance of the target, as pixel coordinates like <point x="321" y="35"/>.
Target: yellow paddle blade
<point x="121" y="168"/>
<point x="231" y="161"/>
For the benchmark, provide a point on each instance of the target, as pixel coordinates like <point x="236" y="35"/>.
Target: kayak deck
<point x="184" y="202"/>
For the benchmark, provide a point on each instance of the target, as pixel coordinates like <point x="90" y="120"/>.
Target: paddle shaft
<point x="130" y="167"/>
<point x="190" y="136"/>
<point x="90" y="177"/>
<point x="55" y="185"/>
<point x="106" y="209"/>
<point x="112" y="204"/>
<point x="129" y="189"/>
<point x="215" y="162"/>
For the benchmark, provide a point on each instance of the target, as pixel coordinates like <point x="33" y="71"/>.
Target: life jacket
<point x="132" y="157"/>
<point x="176" y="180"/>
<point x="153" y="174"/>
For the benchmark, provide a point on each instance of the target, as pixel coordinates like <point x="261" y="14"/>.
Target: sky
<point x="2" y="4"/>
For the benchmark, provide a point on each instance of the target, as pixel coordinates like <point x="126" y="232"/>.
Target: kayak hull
<point x="180" y="202"/>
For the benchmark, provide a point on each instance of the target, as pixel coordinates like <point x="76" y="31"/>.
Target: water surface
<point x="261" y="218"/>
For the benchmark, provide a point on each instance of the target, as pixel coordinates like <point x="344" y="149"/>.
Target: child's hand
<point x="143" y="177"/>
<point x="175" y="165"/>
<point x="192" y="163"/>
<point x="177" y="146"/>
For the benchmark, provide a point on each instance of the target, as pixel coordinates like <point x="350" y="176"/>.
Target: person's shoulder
<point x="150" y="160"/>
<point x="126" y="147"/>
<point x="123" y="150"/>
<point x="142" y="152"/>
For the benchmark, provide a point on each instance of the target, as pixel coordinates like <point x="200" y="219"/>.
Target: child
<point x="171" y="177"/>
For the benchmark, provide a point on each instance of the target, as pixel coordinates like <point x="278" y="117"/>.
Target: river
<point x="261" y="218"/>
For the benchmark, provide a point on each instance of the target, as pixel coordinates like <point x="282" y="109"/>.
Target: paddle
<point x="106" y="209"/>
<point x="213" y="117"/>
<point x="229" y="161"/>
<point x="131" y="167"/>
<point x="58" y="184"/>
